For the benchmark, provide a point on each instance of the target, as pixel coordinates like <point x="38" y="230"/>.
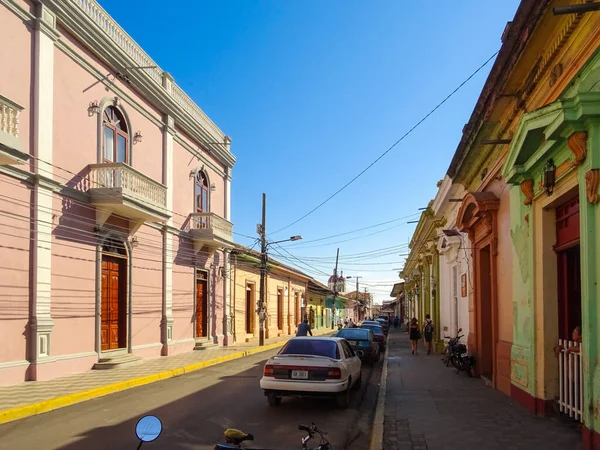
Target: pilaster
<point x="228" y="193"/>
<point x="41" y="323"/>
<point x="227" y="316"/>
<point x="590" y="285"/>
<point x="167" y="263"/>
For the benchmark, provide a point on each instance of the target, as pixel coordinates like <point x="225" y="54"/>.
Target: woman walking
<point x="414" y="335"/>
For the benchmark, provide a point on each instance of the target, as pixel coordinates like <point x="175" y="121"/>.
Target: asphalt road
<point x="195" y="410"/>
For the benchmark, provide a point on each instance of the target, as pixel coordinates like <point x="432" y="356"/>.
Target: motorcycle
<point x="149" y="428"/>
<point x="237" y="437"/>
<point x="457" y="355"/>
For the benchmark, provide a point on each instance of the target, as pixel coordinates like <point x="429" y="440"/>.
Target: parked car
<point x="313" y="367"/>
<point x="377" y="330"/>
<point x="364" y="340"/>
<point x="385" y="323"/>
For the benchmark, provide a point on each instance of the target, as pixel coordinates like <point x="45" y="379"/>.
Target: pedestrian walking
<point x="304" y="329"/>
<point x="340" y="324"/>
<point x="396" y="321"/>
<point x="414" y="335"/>
<point x="428" y="330"/>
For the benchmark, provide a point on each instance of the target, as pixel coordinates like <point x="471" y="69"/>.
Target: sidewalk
<point x="35" y="397"/>
<point x="429" y="407"/>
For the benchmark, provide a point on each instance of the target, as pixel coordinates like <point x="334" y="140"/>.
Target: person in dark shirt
<point x="304" y="329"/>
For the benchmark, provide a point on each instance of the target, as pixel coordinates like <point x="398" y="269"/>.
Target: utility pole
<point x="263" y="272"/>
<point x="357" y="302"/>
<point x="337" y="256"/>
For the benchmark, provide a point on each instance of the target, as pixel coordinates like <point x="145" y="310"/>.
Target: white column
<point x="227" y="327"/>
<point x="41" y="323"/>
<point x="167" y="266"/>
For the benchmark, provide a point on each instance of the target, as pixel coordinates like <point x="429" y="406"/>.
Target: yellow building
<point x="286" y="291"/>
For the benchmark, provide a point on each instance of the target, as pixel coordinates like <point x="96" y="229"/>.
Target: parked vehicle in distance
<point x="364" y="340"/>
<point x="377" y="330"/>
<point x="313" y="367"/>
<point x="385" y="323"/>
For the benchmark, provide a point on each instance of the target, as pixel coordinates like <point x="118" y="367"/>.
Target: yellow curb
<point x="20" y="412"/>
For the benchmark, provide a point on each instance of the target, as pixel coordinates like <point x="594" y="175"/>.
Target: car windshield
<point x="317" y="347"/>
<point x="354" y="334"/>
<point x="374" y="328"/>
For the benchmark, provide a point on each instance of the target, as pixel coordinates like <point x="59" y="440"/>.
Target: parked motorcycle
<point x="457" y="355"/>
<point x="237" y="437"/>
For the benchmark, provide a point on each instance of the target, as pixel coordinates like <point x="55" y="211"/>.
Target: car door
<point x="353" y="361"/>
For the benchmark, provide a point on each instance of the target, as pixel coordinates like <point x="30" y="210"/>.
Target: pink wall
<point x="14" y="269"/>
<point x="183" y="290"/>
<point x="73" y="304"/>
<point x="184" y="187"/>
<point x="75" y="132"/>
<point x="146" y="280"/>
<point x="16" y="73"/>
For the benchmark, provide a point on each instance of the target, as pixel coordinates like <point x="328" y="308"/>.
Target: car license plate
<point x="300" y="374"/>
<point x="463" y="355"/>
<point x="353" y="342"/>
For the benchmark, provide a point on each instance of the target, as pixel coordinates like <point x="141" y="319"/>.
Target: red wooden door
<point x="201" y="308"/>
<point x="111" y="331"/>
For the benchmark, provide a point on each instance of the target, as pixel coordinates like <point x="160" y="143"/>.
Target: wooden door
<point x="201" y="307"/>
<point x="250" y="309"/>
<point x="280" y="309"/>
<point x="112" y="307"/>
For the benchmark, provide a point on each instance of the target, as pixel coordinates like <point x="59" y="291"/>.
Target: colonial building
<point x="285" y="296"/>
<point x="526" y="173"/>
<point x="115" y="199"/>
<point x="317" y="313"/>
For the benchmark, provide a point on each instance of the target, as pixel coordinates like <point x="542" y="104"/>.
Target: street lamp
<point x="263" y="269"/>
<point x="356" y="277"/>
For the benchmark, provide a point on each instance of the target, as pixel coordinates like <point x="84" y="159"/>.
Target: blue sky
<point x="313" y="91"/>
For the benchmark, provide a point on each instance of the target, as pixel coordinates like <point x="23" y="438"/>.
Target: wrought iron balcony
<point x="11" y="150"/>
<point x="210" y="231"/>
<point x="120" y="189"/>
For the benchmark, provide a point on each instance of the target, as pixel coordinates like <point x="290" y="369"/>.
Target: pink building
<point x="114" y="200"/>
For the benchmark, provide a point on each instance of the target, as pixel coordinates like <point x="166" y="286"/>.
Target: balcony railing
<point x="9" y="116"/>
<point x="128" y="182"/>
<point x="210" y="226"/>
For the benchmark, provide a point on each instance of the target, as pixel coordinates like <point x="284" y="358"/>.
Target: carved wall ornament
<point x="555" y="74"/>
<point x="577" y="143"/>
<point x="527" y="190"/>
<point x="592" y="180"/>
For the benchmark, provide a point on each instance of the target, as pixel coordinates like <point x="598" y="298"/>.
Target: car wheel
<point x="273" y="400"/>
<point x="343" y="399"/>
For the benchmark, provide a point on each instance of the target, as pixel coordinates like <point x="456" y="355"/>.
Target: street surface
<point x="429" y="407"/>
<point x="195" y="410"/>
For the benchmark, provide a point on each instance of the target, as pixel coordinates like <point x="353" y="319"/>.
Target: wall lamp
<point x="93" y="108"/>
<point x="549" y="177"/>
<point x="137" y="137"/>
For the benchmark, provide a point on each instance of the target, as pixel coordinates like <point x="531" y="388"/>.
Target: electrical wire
<point x="391" y="147"/>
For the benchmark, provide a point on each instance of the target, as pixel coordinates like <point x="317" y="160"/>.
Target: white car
<point x="312" y="367"/>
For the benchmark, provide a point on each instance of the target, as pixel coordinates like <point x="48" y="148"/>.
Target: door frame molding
<point x="112" y="234"/>
<point x="208" y="336"/>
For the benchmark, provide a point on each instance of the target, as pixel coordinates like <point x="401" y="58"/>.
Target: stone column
<point x="167" y="263"/>
<point x="40" y="321"/>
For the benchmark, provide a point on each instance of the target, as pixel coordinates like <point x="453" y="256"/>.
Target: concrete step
<point x="117" y="361"/>
<point x="205" y="345"/>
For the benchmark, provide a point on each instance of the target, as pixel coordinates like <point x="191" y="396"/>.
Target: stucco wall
<point x="183" y="294"/>
<point x="16" y="74"/>
<point x="14" y="270"/>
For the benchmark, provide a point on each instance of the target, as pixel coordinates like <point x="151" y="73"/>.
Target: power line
<point x="392" y="146"/>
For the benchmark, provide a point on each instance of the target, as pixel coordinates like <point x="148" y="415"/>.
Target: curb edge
<point x="377" y="432"/>
<point x="33" y="409"/>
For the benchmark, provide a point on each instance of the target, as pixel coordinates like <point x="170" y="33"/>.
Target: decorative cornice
<point x="527" y="190"/>
<point x="592" y="180"/>
<point x="91" y="25"/>
<point x="577" y="143"/>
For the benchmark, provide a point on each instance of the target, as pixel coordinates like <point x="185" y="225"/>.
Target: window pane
<point x="204" y="200"/>
<point x="121" y="149"/>
<point x="109" y="137"/>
